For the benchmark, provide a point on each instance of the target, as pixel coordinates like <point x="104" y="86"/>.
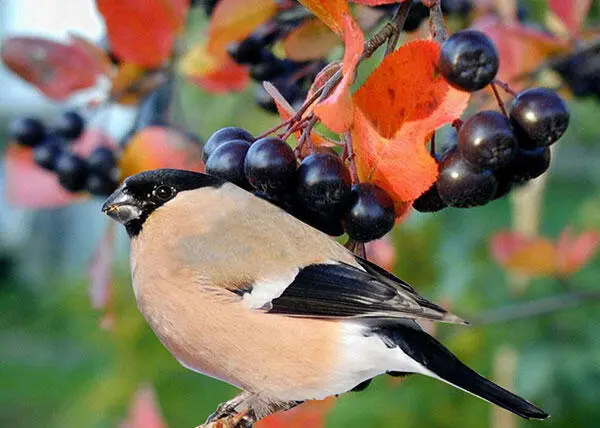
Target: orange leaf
<point x="157" y="147"/>
<point x="310" y="414"/>
<point x="521" y="49"/>
<point x="29" y="186"/>
<point x="394" y="116"/>
<point x="124" y="80"/>
<point x="533" y="256"/>
<point x="143" y="31"/>
<point x="331" y="12"/>
<point x="204" y="70"/>
<point x="336" y="111"/>
<point x="311" y="40"/>
<point x="56" y="69"/>
<point x="377" y="2"/>
<point x="571" y="12"/>
<point x="234" y="20"/>
<point x="574" y="252"/>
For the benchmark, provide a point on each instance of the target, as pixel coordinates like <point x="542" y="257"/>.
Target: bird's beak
<point x="122" y="207"/>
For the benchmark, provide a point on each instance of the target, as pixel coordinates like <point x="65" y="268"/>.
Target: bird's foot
<point x="244" y="419"/>
<point x="228" y="408"/>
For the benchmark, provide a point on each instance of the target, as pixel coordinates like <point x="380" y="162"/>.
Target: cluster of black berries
<point x="495" y="152"/>
<point x="318" y="190"/>
<point x="97" y="174"/>
<point x="582" y="73"/>
<point x="291" y="78"/>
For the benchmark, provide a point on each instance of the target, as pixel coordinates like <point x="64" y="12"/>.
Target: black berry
<point x="460" y="8"/>
<point x="248" y="51"/>
<point x="69" y="125"/>
<point x="429" y="201"/>
<point x="529" y="164"/>
<point x="268" y="68"/>
<point x="27" y="131"/>
<point x="323" y="185"/>
<point x="505" y="181"/>
<point x="486" y="140"/>
<point x="468" y="60"/>
<point x="72" y="171"/>
<point x="100" y="184"/>
<point x="227" y="162"/>
<point x="370" y="213"/>
<point x="462" y="186"/>
<point x="270" y="165"/>
<point x="102" y="160"/>
<point x="539" y="116"/>
<point x="224" y="135"/>
<point x="46" y="154"/>
<point x="416" y="15"/>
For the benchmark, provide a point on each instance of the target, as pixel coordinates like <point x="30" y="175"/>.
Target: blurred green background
<point x="59" y="368"/>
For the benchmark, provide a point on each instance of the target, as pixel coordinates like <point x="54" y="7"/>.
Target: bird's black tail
<point x="436" y="358"/>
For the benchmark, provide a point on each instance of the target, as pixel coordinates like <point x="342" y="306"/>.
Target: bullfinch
<point x="240" y="290"/>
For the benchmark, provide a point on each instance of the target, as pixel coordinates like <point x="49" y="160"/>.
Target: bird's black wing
<point x="344" y="291"/>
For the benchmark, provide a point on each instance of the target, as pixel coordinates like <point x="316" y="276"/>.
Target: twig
<point x="499" y="99"/>
<point x="398" y="19"/>
<point x="349" y="156"/>
<point x="535" y="308"/>
<point x="505" y="87"/>
<point x="437" y="25"/>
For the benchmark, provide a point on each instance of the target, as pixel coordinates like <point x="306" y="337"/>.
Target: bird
<point x="242" y="291"/>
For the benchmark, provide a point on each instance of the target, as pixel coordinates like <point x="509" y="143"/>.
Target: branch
<point x="436" y="21"/>
<point x="399" y="19"/>
<point x="535" y="308"/>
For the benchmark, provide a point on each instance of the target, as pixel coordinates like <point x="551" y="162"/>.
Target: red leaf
<point x="143" y="31"/>
<point x="574" y="252"/>
<point x="571" y="12"/>
<point x="144" y="411"/>
<point x="158" y="147"/>
<point x="394" y="116"/>
<point x="29" y="186"/>
<point x="310" y="414"/>
<point x="56" y="69"/>
<point x="521" y="49"/>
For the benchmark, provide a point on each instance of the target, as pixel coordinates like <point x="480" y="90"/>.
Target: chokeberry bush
<point x="365" y="119"/>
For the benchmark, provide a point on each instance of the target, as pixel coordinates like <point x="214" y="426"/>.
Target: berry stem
<point x="398" y="19"/>
<point x="437" y="26"/>
<point x="305" y="140"/>
<point x="505" y="86"/>
<point x="498" y="99"/>
<point x="349" y="156"/>
<point x="357" y="248"/>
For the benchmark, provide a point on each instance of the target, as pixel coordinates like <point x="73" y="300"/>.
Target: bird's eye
<point x="164" y="193"/>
